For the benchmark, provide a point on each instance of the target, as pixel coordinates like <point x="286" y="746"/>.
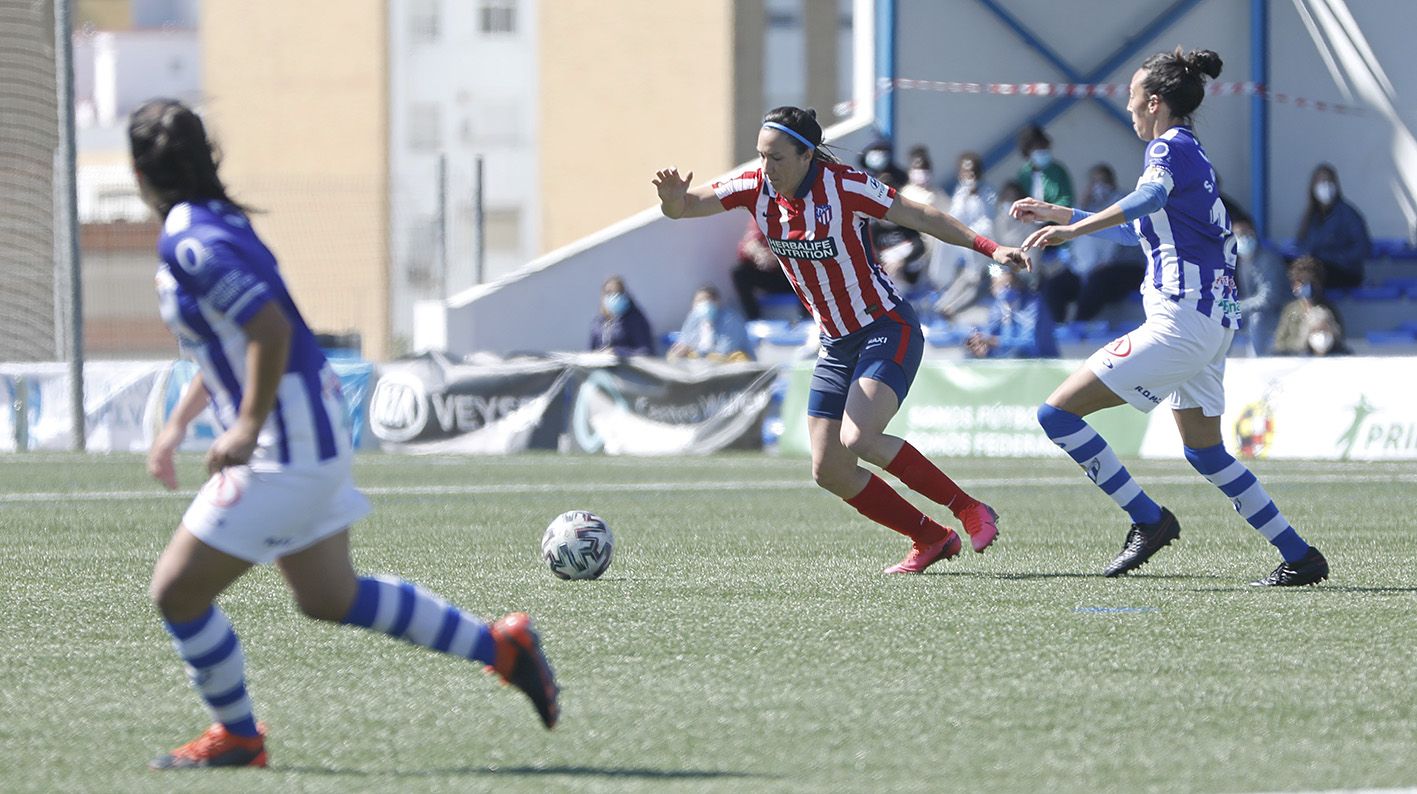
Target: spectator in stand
<point x="877" y="160"/>
<point x="712" y="331"/>
<point x="1333" y="231"/>
<point x="619" y="326"/>
<point x="962" y="273"/>
<point x="1264" y="288"/>
<point x="1006" y="226"/>
<point x="1100" y="271"/>
<point x="1041" y="176"/>
<point x="758" y="271"/>
<point x="1310" y="324"/>
<point x="920" y="181"/>
<point x="901" y="250"/>
<point x="1019" y="323"/>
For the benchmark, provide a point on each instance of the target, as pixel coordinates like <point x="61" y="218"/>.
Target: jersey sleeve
<point x="740" y="191"/>
<point x="211" y="269"/>
<point x="865" y="194"/>
<point x="1162" y="164"/>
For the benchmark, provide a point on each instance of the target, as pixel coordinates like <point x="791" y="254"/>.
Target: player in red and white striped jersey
<point x="814" y="212"/>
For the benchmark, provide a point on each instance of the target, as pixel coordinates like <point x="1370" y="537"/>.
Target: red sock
<point x="926" y="479"/>
<point x="880" y="503"/>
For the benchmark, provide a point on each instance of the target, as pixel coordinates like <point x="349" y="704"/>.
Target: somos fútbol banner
<point x="972" y="408"/>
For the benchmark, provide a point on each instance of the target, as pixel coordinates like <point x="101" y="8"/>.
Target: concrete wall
<point x="304" y="128"/>
<point x="680" y="86"/>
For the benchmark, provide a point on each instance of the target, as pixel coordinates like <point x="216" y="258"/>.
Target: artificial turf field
<point x="743" y="639"/>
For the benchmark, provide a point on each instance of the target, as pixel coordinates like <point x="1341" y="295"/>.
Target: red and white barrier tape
<point x="885" y="85"/>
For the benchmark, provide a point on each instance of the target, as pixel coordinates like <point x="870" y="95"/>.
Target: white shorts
<point x="1176" y="356"/>
<point x="264" y="513"/>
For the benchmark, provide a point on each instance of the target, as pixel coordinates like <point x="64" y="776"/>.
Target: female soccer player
<point x="281" y="489"/>
<point x="814" y="212"/>
<point x="1178" y="354"/>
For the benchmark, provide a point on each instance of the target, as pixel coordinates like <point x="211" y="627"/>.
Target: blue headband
<point x="775" y="126"/>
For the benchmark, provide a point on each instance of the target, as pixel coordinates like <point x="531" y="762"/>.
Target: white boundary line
<point x="659" y="487"/>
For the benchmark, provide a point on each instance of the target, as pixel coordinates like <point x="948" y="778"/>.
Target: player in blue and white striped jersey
<point x="1192" y="312"/>
<point x="281" y="489"/>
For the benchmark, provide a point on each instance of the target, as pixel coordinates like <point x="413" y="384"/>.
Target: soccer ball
<point x="577" y="545"/>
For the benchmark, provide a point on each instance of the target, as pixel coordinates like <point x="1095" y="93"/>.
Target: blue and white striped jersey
<point x="215" y="275"/>
<point x="1189" y="248"/>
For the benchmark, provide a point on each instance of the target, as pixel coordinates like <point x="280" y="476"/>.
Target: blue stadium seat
<point x="1381" y="338"/>
<point x="1402" y="283"/>
<point x="1393" y="248"/>
<point x="1374" y="293"/>
<point x="1336" y="294"/>
<point x="669" y="339"/>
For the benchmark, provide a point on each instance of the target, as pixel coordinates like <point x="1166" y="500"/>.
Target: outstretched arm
<point x="943" y="226"/>
<point x="677" y="200"/>
<point x="1146" y="199"/>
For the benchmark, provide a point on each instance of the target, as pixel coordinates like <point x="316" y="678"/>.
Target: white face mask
<point x="877" y="159"/>
<point x="1041" y="158"/>
<point x="1246" y="245"/>
<point x="920" y="176"/>
<point x="1325" y="192"/>
<point x="1321" y="342"/>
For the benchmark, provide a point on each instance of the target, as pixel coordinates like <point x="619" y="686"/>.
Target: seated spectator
<point x="620" y="327"/>
<point x="1041" y="176"/>
<point x="877" y="160"/>
<point x="899" y="249"/>
<point x="1019" y="324"/>
<point x="920" y="187"/>
<point x="758" y="271"/>
<point x="1098" y="271"/>
<point x="960" y="271"/>
<point x="1264" y="288"/>
<point x="1310" y="325"/>
<point x="712" y="331"/>
<point x="1333" y="231"/>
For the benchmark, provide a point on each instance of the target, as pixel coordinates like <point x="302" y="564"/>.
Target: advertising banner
<point x="116" y="397"/>
<point x="646" y="406"/>
<point x="431" y="404"/>
<point x="1314" y="408"/>
<point x="972" y="408"/>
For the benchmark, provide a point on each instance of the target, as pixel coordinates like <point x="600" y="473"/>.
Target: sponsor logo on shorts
<point x="274" y="542"/>
<point x="1145" y="392"/>
<point x="1121" y="347"/>
<point x="875" y="341"/>
<point x="223" y="490"/>
<point x="804" y="249"/>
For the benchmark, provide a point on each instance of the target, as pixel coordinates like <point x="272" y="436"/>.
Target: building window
<point x="498" y="16"/>
<point x="425" y="127"/>
<point x="423" y="20"/>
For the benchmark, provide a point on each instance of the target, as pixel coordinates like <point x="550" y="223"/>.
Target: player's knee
<point x="175" y="602"/>
<point x="830" y="477"/>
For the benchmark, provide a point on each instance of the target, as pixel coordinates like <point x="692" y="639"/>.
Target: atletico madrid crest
<point x="824" y="214"/>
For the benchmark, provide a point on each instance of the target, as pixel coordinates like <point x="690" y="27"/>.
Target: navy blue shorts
<point x="887" y="350"/>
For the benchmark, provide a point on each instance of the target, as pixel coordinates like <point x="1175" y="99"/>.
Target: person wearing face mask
<point x="712" y="331"/>
<point x="878" y="161"/>
<point x="1020" y="325"/>
<point x="962" y="273"/>
<point x="1310" y="324"/>
<point x="1100" y="271"/>
<point x="1041" y="176"/>
<point x="1264" y="289"/>
<point x="1333" y="231"/>
<point x="619" y="326"/>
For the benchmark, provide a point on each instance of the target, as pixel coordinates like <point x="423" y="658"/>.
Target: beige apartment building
<point x="298" y="94"/>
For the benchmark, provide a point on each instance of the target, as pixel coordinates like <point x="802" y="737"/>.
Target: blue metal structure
<point x="1119" y="57"/>
<point x="1259" y="115"/>
<point x="885" y="69"/>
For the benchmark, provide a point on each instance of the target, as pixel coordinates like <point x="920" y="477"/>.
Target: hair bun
<point x="812" y="112"/>
<point x="1205" y="61"/>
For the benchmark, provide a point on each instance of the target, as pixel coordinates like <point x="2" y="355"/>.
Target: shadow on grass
<point x="527" y="771"/>
<point x="1021" y="576"/>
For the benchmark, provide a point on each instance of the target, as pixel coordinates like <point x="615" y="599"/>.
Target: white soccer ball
<point x="577" y="545"/>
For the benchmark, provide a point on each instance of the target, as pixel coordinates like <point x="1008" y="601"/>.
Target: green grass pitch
<point x="743" y="640"/>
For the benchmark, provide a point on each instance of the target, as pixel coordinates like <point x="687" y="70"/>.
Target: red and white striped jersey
<point x="821" y="239"/>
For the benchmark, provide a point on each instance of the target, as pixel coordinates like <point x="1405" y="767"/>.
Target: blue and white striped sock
<point x="1092" y="453"/>
<point x="408" y="612"/>
<point x="1250" y="499"/>
<point x="217" y="668"/>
